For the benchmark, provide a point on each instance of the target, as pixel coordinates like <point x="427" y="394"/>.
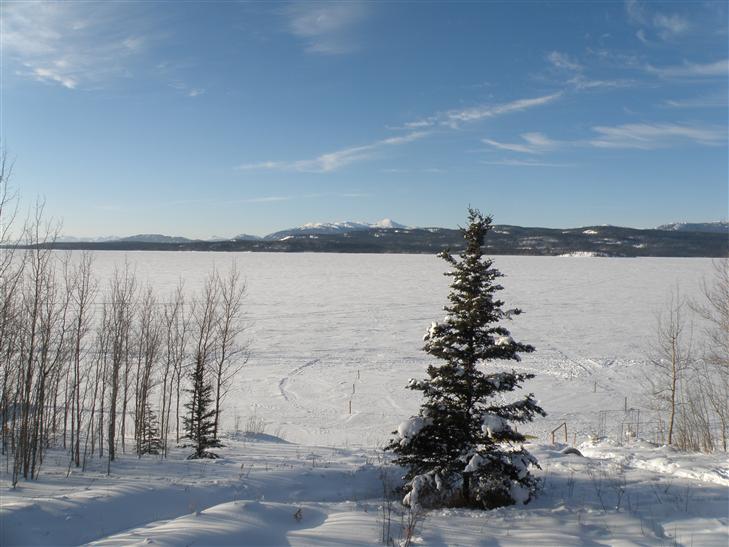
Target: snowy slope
<point x="253" y="494"/>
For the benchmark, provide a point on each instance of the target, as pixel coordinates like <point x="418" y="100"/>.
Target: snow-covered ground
<point x="633" y="495"/>
<point x="329" y="329"/>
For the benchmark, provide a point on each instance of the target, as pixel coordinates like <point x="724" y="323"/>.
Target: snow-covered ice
<point x="329" y="329"/>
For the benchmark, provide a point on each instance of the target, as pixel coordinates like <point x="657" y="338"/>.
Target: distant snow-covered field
<point x="331" y="329"/>
<point x="317" y="320"/>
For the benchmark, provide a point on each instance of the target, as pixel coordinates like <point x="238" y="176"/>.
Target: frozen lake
<point x="318" y="319"/>
<point x="330" y="330"/>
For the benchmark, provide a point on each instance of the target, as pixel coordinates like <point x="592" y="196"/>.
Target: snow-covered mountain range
<point x="319" y="228"/>
<point x="305" y="229"/>
<point x="721" y="227"/>
<point x="246" y="237"/>
<point x="379" y="228"/>
<point x="74" y="239"/>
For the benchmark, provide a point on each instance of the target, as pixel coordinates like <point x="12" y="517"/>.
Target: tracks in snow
<point x="295" y="372"/>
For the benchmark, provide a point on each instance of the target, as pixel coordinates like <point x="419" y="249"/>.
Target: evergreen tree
<point x="200" y="422"/>
<point x="460" y="450"/>
<point x="151" y="442"/>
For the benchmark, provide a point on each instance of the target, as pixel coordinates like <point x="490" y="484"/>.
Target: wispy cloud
<point x="534" y="143"/>
<point x="253" y="166"/>
<point x="67" y="44"/>
<point x="326" y="27"/>
<point x="643" y="136"/>
<point x="452" y="119"/>
<point x="332" y="161"/>
<point x="191" y="92"/>
<point x="717" y="100"/>
<point x="671" y="24"/>
<point x="455" y="118"/>
<point x="666" y="26"/>
<point x="647" y="136"/>
<point x="636" y="12"/>
<point x="716" y="69"/>
<point x="265" y="199"/>
<point x="432" y="170"/>
<point x="564" y="61"/>
<point x="640" y="34"/>
<point x="418" y="124"/>
<point x="570" y="70"/>
<point x="526" y="163"/>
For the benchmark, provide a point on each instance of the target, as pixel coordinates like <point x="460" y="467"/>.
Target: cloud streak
<point x="264" y="199"/>
<point x="526" y="163"/>
<point x="333" y="161"/>
<point x="716" y="69"/>
<point x="456" y="118"/>
<point x="564" y="64"/>
<point x="450" y="119"/>
<point x="640" y="136"/>
<point x="718" y="100"/>
<point x="563" y="61"/>
<point x="534" y="143"/>
<point x="645" y="136"/>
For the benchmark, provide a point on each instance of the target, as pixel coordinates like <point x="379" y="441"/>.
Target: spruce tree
<point x="200" y="422"/>
<point x="461" y="449"/>
<point x="151" y="443"/>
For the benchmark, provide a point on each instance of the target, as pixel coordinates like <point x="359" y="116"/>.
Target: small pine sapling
<point x="200" y="421"/>
<point x="151" y="442"/>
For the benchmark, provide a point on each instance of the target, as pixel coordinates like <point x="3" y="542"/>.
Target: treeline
<point x="98" y="368"/>
<point x="504" y="240"/>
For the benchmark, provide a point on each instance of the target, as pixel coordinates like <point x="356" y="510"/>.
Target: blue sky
<point x="203" y="119"/>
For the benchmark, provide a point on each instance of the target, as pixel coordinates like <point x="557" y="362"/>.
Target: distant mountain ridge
<point x="73" y="239"/>
<point x="156" y="238"/>
<point x="330" y="228"/>
<point x="246" y="237"/>
<point x="721" y="227"/>
<point x="141" y="238"/>
<point x="391" y="237"/>
<point x="319" y="228"/>
<point x="305" y="229"/>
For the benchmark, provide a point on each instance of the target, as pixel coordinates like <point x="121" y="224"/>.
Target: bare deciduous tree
<point x="122" y="290"/>
<point x="233" y="352"/>
<point x="148" y="349"/>
<point x="670" y="358"/>
<point x="714" y="310"/>
<point x="176" y="326"/>
<point x="70" y="370"/>
<point x="83" y="294"/>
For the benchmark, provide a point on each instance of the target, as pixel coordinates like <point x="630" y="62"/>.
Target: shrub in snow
<point x="461" y="450"/>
